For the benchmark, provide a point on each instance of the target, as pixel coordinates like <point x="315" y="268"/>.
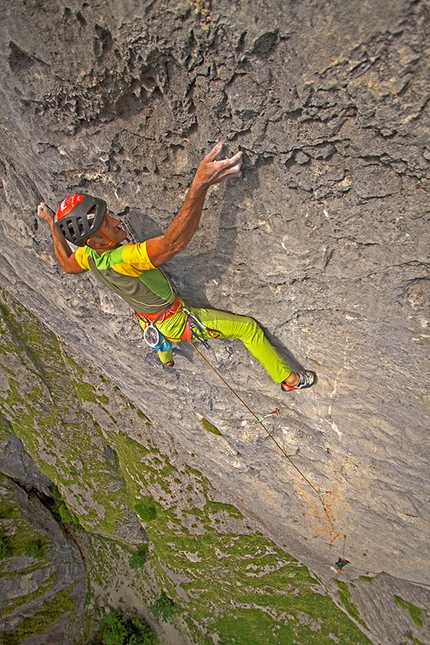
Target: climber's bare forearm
<point x="62" y="251"/>
<point x="179" y="233"/>
<point x="64" y="255"/>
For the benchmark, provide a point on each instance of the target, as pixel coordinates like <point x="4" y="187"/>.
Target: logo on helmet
<point x="68" y="204"/>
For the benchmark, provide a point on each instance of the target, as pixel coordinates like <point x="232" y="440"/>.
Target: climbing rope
<point x="260" y="418"/>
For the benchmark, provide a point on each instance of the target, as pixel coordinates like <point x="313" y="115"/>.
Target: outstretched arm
<point x="181" y="230"/>
<point x="62" y="251"/>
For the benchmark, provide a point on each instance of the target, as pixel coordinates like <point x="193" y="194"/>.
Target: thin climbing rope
<point x="278" y="445"/>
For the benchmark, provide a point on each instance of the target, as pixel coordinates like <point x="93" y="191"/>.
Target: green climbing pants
<point x="229" y="326"/>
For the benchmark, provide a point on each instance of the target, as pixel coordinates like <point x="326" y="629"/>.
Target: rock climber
<point x="132" y="269"/>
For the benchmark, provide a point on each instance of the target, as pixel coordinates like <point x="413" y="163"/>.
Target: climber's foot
<point x="169" y="363"/>
<point x="306" y="379"/>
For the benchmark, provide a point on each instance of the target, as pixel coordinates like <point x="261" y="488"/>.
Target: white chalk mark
<point x="335" y="428"/>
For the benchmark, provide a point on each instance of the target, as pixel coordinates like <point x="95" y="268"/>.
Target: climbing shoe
<point x="306" y="379"/>
<point x="169" y="363"/>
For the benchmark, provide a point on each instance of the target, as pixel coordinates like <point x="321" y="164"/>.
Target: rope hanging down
<point x="260" y="418"/>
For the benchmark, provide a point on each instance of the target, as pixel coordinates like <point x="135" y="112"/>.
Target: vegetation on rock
<point x="234" y="581"/>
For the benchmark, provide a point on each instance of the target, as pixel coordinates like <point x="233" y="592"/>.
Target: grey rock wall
<point x="31" y="584"/>
<point x="324" y="239"/>
<point x="47" y="590"/>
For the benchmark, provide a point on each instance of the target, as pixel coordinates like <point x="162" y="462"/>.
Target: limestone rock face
<point x="17" y="463"/>
<point x="43" y="577"/>
<point x="323" y="239"/>
<point x="45" y="584"/>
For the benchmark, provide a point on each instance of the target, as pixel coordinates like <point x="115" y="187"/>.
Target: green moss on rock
<point x="210" y="427"/>
<point x="345" y="597"/>
<point x="42" y="620"/>
<point x="146" y="509"/>
<point x="414" y="612"/>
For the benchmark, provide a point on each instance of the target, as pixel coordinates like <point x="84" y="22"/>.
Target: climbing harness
<point x="194" y="328"/>
<point x="163" y="314"/>
<point x="260" y="419"/>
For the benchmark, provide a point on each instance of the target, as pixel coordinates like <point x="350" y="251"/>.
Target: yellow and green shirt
<point x="128" y="271"/>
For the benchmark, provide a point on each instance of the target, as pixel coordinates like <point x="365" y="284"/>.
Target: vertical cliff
<point x="324" y="239"/>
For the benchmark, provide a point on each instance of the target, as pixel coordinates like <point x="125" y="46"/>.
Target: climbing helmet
<point x="79" y="216"/>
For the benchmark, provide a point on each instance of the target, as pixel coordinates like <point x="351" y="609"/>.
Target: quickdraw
<point x="197" y="329"/>
<point x="261" y="417"/>
<point x="340" y="564"/>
